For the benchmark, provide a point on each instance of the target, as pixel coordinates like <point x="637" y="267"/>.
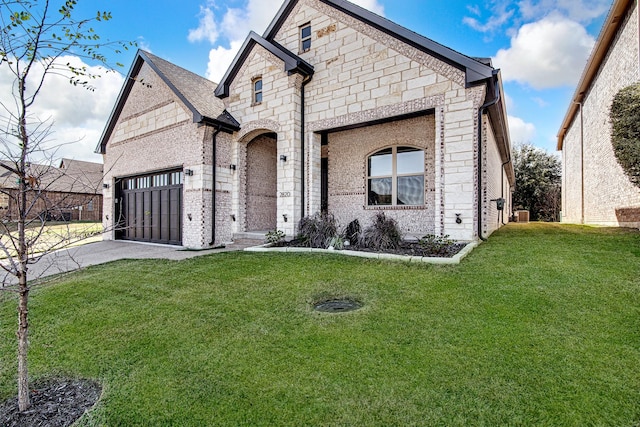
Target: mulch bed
<point x="55" y="403"/>
<point x="410" y="248"/>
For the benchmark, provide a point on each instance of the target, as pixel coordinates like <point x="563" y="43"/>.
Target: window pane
<point x="258" y="85"/>
<point x="410" y="160"/>
<point x="306" y="32"/>
<point x="258" y="97"/>
<point x="411" y="190"/>
<point x="380" y="191"/>
<point x="306" y="45"/>
<point x="380" y="163"/>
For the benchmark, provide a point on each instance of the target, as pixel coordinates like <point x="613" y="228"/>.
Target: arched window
<point x="395" y="177"/>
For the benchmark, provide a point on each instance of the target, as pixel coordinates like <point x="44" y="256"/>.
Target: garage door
<point x="151" y="208"/>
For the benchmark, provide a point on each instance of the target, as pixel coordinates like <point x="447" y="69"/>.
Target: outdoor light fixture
<point x="105" y="185"/>
<point x="284" y="216"/>
<point x="232" y="167"/>
<point x="233" y="218"/>
<point x="188" y="172"/>
<point x="283" y="157"/>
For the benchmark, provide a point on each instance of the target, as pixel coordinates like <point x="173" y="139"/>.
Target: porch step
<point x="247" y="239"/>
<point x="250" y="235"/>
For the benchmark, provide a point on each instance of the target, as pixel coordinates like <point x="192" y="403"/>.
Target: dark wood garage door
<point x="151" y="208"/>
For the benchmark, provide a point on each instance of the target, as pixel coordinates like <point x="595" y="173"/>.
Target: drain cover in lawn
<point x="337" y="305"/>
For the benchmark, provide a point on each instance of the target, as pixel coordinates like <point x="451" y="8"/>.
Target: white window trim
<point x="394" y="176"/>
<point x="303" y="39"/>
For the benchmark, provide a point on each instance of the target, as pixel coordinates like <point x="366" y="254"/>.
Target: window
<point x="257" y="90"/>
<point x="396" y="177"/>
<point x="90" y="206"/>
<point x="305" y="38"/>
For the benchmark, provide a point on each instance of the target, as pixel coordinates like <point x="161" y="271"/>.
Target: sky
<point x="541" y="47"/>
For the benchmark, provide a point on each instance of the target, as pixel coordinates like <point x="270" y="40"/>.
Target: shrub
<point x="625" y="133"/>
<point x="274" y="236"/>
<point x="382" y="235"/>
<point x="336" y="242"/>
<point x="316" y="231"/>
<point x="352" y="232"/>
<point x="435" y="244"/>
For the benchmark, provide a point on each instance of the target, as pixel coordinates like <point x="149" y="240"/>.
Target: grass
<point x="538" y="326"/>
<point x="57" y="235"/>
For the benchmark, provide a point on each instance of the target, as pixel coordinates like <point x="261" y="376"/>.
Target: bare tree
<point x="35" y="36"/>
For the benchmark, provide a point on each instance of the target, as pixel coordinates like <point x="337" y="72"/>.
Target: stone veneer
<point x="361" y="75"/>
<point x="348" y="152"/>
<point x="155" y="132"/>
<point x="609" y="197"/>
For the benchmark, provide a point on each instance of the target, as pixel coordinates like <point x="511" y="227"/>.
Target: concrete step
<point x="250" y="235"/>
<point x="247" y="239"/>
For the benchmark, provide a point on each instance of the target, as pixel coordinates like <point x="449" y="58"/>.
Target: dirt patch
<point x="55" y="403"/>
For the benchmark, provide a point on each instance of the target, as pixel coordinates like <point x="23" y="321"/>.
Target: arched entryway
<point x="261" y="184"/>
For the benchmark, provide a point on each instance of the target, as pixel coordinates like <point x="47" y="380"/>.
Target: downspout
<point x="305" y="81"/>
<point x="502" y="186"/>
<point x="481" y="112"/>
<point x="581" y="164"/>
<point x="213" y="186"/>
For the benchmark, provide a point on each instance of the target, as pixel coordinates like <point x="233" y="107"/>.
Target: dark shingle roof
<point x="475" y="71"/>
<point x="194" y="91"/>
<point x="292" y="62"/>
<point x="73" y="176"/>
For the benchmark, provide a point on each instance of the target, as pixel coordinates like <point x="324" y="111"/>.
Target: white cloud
<point x="219" y="60"/>
<point x="583" y="11"/>
<point x="207" y="28"/>
<point x="235" y="24"/>
<point x="548" y="53"/>
<point x="520" y="131"/>
<point x="493" y="23"/>
<point x="371" y="5"/>
<point x="77" y="114"/>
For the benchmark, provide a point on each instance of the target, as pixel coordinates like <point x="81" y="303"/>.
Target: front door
<point x="262" y="181"/>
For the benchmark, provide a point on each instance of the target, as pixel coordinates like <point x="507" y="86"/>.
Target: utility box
<point x="522" y="216"/>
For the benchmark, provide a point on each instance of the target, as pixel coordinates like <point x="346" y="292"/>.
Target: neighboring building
<point x="334" y="108"/>
<point x="70" y="192"/>
<point x="595" y="189"/>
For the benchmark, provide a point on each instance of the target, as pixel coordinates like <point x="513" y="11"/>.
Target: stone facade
<point x="155" y="132"/>
<point x="363" y="75"/>
<point x="361" y="87"/>
<point x="348" y="152"/>
<point x="595" y="189"/>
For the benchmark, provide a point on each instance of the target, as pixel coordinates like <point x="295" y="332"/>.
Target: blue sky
<point x="541" y="46"/>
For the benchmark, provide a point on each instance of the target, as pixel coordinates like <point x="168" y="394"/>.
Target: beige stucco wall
<point x="610" y="198"/>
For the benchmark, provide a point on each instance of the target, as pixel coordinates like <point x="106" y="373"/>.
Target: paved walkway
<point x="78" y="257"/>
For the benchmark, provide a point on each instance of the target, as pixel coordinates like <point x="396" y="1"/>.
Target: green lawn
<point x="55" y="235"/>
<point x="538" y="326"/>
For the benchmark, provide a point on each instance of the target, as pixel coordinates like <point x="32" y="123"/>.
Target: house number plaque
<point x="285" y="194"/>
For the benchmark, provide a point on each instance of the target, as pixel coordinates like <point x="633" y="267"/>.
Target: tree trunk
<point x="23" y="343"/>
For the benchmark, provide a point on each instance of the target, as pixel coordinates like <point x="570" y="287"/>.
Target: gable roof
<point x="292" y="63"/>
<point x="611" y="25"/>
<point x="193" y="90"/>
<point x="475" y="71"/>
<point x="73" y="176"/>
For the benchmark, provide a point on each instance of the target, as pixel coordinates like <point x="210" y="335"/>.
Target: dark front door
<point x="151" y="208"/>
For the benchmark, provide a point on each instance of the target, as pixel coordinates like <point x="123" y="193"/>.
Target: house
<point x="69" y="192"/>
<point x="332" y="109"/>
<point x="595" y="189"/>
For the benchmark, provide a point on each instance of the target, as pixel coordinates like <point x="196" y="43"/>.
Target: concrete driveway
<point x="71" y="259"/>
